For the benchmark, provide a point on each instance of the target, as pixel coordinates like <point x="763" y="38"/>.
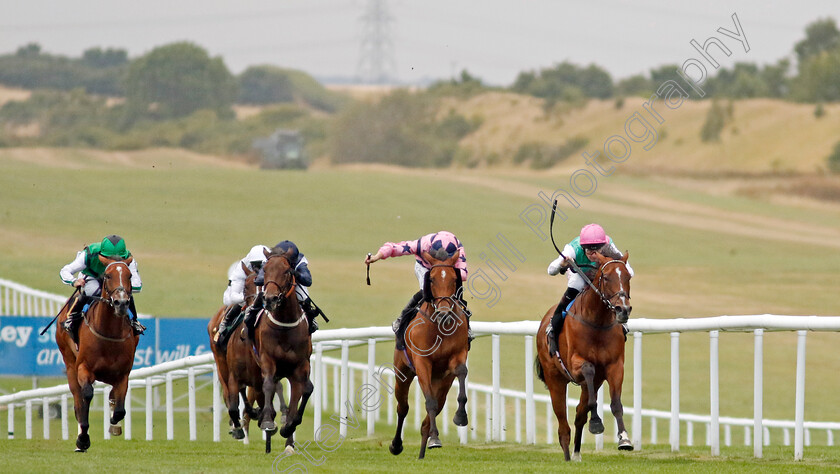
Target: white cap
<point x="256" y="254"/>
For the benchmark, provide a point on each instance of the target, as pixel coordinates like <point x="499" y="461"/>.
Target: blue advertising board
<point x="23" y="351"/>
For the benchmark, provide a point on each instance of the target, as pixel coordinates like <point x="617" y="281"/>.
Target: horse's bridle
<point x="284" y="294"/>
<point x="108" y="296"/>
<point x="453" y="298"/>
<point x="607" y="299"/>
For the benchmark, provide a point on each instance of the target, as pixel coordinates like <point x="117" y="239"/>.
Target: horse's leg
<point x="424" y="379"/>
<point x="85" y="379"/>
<point x="233" y="406"/>
<point x="615" y="378"/>
<point x="118" y="398"/>
<point x="581" y="413"/>
<point x="284" y="407"/>
<point x="441" y="389"/>
<point x="401" y="395"/>
<point x="267" y="414"/>
<point x="302" y="389"/>
<point x="596" y="426"/>
<point x="557" y="391"/>
<point x="460" y="418"/>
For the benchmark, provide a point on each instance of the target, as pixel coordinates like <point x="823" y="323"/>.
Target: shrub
<point x="834" y="159"/>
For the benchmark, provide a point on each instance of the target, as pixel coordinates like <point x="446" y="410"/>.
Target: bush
<point x="715" y="121"/>
<point x="834" y="159"/>
<point x="543" y="156"/>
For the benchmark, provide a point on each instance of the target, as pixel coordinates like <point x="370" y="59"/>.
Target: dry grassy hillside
<point x="762" y="136"/>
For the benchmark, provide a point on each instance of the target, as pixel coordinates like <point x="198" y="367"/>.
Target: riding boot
<point x="135" y="324"/>
<point x="224" y="327"/>
<point x="553" y="329"/>
<point x="470" y="335"/>
<point x="251" y="315"/>
<point x="71" y="324"/>
<point x="311" y="313"/>
<point x="401" y="324"/>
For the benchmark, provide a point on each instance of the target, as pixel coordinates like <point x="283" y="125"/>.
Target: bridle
<point x="599" y="291"/>
<point x="285" y="293"/>
<point x="451" y="298"/>
<point x="109" y="295"/>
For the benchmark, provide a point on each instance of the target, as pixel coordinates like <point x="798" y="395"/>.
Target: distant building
<point x="284" y="149"/>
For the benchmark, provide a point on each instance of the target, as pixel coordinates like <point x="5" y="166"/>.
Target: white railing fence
<point x="21" y="300"/>
<point x="348" y="379"/>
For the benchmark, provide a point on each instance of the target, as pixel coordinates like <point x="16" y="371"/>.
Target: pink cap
<point x="592" y="234"/>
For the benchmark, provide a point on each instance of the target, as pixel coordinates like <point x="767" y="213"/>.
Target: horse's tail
<point x="538" y="368"/>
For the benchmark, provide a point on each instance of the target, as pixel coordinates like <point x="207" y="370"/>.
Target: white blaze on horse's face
<point x="443" y="274"/>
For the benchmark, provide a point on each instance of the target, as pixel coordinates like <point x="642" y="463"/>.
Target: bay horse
<point x="238" y="368"/>
<point x="591" y="347"/>
<point x="283" y="346"/>
<point x="437" y="345"/>
<point x="105" y="351"/>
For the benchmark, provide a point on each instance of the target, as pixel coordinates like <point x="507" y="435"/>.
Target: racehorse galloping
<point x="283" y="346"/>
<point x="437" y="351"/>
<point x="591" y="347"/>
<point x="239" y="369"/>
<point x="106" y="348"/>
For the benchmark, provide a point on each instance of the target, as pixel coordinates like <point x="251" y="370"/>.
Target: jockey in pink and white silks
<point x="428" y="243"/>
<point x="592" y="240"/>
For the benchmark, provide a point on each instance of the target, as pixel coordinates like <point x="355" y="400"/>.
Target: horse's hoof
<point x="83" y="442"/>
<point x="460" y="419"/>
<point x="289" y="450"/>
<point x="434" y="442"/>
<point x="625" y="445"/>
<point x="269" y="427"/>
<point x="287" y="430"/>
<point x="395" y="450"/>
<point x="80" y="450"/>
<point x="238" y="433"/>
<point x="115" y="430"/>
<point x="596" y="426"/>
<point x="576" y="457"/>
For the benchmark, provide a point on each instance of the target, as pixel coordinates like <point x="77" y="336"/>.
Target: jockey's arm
<point x="235" y="292"/>
<point x="302" y="273"/>
<point x="136" y="282"/>
<point x="68" y="271"/>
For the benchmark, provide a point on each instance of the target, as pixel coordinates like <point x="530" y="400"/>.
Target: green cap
<point x="112" y="246"/>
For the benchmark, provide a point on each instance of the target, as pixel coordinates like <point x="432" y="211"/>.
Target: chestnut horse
<point x="238" y="368"/>
<point x="105" y="351"/>
<point x="283" y="347"/>
<point x="437" y="351"/>
<point x="591" y="347"/>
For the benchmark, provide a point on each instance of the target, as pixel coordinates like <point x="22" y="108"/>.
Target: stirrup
<point x="137" y="327"/>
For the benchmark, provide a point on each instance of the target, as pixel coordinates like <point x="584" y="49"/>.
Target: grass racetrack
<point x="696" y="251"/>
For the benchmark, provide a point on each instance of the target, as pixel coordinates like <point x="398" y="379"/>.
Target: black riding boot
<point x="311" y="313"/>
<point x="251" y="315"/>
<point x="225" y="326"/>
<point x="401" y="324"/>
<point x="71" y="324"/>
<point x="135" y="324"/>
<point x="557" y="319"/>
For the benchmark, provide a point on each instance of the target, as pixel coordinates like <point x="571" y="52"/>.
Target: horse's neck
<point x="289" y="311"/>
<point x="593" y="310"/>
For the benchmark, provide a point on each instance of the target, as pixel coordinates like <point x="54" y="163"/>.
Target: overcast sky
<point x="493" y="39"/>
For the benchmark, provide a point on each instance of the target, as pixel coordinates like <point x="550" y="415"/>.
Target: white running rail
<point x="496" y="401"/>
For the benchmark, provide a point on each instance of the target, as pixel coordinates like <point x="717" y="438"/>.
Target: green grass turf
<point x="186" y="224"/>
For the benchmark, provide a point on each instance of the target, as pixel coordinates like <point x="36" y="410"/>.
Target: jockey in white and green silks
<point x="90" y="271"/>
<point x="592" y="240"/>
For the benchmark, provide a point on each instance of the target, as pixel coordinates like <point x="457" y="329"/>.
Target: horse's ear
<point x="129" y="260"/>
<point x="601" y="259"/>
<point x="267" y="253"/>
<point x="427" y="257"/>
<point x="245" y="269"/>
<point x="453" y="259"/>
<point x="104" y="260"/>
<point x="626" y="256"/>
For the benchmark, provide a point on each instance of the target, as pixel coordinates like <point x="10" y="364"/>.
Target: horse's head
<point x="279" y="279"/>
<point x="250" y="289"/>
<point x="444" y="279"/>
<point x="613" y="281"/>
<point x="116" y="283"/>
